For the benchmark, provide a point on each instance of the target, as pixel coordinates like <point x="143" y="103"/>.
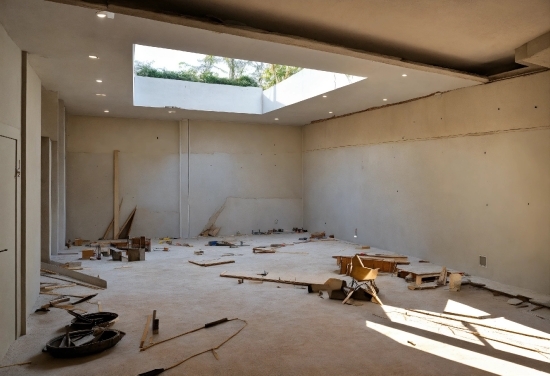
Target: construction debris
<point x="514" y="301"/>
<point x="317" y="235"/>
<point x="91" y="281"/>
<point x="253" y="278"/>
<point x="51" y="303"/>
<point x="211" y="263"/>
<point x="263" y="250"/>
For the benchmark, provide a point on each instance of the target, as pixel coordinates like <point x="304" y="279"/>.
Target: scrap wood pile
<point x="385" y="263"/>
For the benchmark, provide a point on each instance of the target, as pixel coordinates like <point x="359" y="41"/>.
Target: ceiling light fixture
<point x="404" y="75"/>
<point x="104" y="13"/>
<point x="93" y="57"/>
<point x="276" y="118"/>
<point x="172" y="112"/>
<point x="101" y="95"/>
<point x="106" y="111"/>
<point x="330" y="112"/>
<point x="99" y="81"/>
<point x="324" y="96"/>
<point x="385" y="99"/>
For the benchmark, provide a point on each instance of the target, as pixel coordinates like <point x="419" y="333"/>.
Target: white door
<point x="8" y="183"/>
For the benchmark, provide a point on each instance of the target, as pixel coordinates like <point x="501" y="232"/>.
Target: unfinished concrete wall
<point x="447" y="178"/>
<point x="256" y="168"/>
<point x="148" y="175"/>
<point x="257" y="165"/>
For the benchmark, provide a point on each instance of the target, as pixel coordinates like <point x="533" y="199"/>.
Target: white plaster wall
<point x="10" y="126"/>
<point x="246" y="161"/>
<point x="446" y="178"/>
<point x="159" y="92"/>
<point x="32" y="232"/>
<point x="149" y="175"/>
<point x="303" y="85"/>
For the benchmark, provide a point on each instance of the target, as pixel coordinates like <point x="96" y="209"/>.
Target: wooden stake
<point x="145" y="331"/>
<point x="116" y="210"/>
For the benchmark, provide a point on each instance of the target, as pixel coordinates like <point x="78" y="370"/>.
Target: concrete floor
<point x="289" y="332"/>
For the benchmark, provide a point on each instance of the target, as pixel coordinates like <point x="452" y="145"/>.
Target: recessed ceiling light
<point x="385" y="99"/>
<point x="330" y="112"/>
<point x="172" y="112"/>
<point x="404" y="75"/>
<point x="104" y="13"/>
<point x="106" y="111"/>
<point x="324" y="96"/>
<point x="100" y="81"/>
<point x="276" y="118"/>
<point x="93" y="57"/>
<point x="101" y="95"/>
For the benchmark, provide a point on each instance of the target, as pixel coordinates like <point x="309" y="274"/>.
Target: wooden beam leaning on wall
<point x="116" y="210"/>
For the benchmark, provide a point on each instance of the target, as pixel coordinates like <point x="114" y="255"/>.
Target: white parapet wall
<point x="160" y="92"/>
<point x="305" y="84"/>
<point x="308" y="83"/>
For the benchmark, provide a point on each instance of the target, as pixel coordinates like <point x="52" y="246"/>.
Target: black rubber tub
<point x="108" y="339"/>
<point x="98" y="318"/>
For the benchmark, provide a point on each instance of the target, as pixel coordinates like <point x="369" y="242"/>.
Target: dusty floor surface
<point x="289" y="331"/>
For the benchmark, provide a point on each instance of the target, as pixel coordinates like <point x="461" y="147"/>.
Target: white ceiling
<point x="59" y="39"/>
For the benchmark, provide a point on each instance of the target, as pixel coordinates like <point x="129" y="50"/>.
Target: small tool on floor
<point x="263" y="274"/>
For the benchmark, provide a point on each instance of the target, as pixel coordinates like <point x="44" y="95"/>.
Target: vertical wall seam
<point x="188" y="181"/>
<point x="180" y="232"/>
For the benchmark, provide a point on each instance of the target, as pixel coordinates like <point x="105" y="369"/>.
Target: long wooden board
<point x="262" y="279"/>
<point x="211" y="263"/>
<point x="91" y="280"/>
<point x="116" y="211"/>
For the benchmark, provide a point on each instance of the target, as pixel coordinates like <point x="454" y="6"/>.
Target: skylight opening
<point x="188" y="66"/>
<point x="184" y="80"/>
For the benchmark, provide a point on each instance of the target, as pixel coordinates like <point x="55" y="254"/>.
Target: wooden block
<point x="136" y="254"/>
<point x="78" y="242"/>
<point x="87" y="253"/>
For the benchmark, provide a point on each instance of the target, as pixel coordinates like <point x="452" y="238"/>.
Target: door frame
<point x="19" y="293"/>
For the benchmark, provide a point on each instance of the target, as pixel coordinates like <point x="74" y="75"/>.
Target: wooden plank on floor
<point x="91" y="280"/>
<point x="211" y="263"/>
<point x="261" y="279"/>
